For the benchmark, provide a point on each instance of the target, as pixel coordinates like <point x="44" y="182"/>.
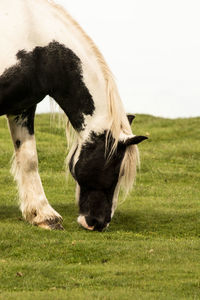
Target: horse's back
<point x="13" y="31"/>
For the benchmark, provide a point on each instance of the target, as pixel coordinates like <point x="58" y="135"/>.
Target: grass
<point x="151" y="249"/>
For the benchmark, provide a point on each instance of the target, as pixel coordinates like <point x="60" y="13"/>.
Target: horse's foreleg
<point x="34" y="204"/>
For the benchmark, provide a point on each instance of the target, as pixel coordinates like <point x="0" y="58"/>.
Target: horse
<point x="44" y="51"/>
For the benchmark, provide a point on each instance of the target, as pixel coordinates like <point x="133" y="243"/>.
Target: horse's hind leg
<point x="34" y="204"/>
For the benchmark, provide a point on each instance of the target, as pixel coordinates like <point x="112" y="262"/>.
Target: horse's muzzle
<point x="92" y="224"/>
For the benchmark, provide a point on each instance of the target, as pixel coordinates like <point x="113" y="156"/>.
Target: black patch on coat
<point x="97" y="178"/>
<point x="52" y="70"/>
<point x="26" y="119"/>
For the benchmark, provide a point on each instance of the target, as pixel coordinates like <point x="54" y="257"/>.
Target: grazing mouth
<point x="85" y="222"/>
<point x="81" y="221"/>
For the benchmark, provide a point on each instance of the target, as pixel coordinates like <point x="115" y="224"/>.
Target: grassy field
<point x="152" y="247"/>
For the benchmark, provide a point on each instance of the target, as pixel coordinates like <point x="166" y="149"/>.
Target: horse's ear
<point x="130" y="118"/>
<point x="135" y="140"/>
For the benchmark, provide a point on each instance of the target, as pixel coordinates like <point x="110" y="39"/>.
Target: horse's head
<point x="97" y="177"/>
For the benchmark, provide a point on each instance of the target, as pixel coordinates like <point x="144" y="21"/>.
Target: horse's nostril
<point x="98" y="224"/>
<point x="91" y="221"/>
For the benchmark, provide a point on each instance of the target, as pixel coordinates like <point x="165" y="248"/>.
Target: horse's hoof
<point x="57" y="226"/>
<point x="81" y="221"/>
<point x="52" y="224"/>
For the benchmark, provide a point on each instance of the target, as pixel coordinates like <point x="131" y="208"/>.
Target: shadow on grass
<point x="144" y="222"/>
<point x="155" y="222"/>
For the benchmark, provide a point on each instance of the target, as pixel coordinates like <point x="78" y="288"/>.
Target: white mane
<point x="118" y="120"/>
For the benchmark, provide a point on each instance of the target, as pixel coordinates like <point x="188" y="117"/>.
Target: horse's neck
<point x="75" y="39"/>
<point x="93" y="77"/>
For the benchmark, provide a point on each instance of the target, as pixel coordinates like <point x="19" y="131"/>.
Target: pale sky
<point x="153" y="49"/>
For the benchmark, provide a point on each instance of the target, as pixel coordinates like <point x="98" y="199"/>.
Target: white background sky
<point x="153" y="49"/>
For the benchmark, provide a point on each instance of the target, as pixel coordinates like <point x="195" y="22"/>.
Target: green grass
<point x="151" y="249"/>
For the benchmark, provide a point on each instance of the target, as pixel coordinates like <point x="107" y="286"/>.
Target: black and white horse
<point x="43" y="51"/>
